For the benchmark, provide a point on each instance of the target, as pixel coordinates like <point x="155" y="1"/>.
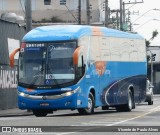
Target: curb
<point x="14" y="114"/>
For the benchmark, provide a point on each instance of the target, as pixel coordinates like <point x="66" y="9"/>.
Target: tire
<point x="150" y="102"/>
<point x="40" y="113"/>
<point x="128" y="107"/>
<point x="90" y="108"/>
<point x="120" y="108"/>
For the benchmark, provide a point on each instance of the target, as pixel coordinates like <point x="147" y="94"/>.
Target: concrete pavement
<point x="14" y="112"/>
<point x="17" y="112"/>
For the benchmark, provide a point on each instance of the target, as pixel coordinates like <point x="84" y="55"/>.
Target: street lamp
<point x="146" y="22"/>
<point x="155" y="9"/>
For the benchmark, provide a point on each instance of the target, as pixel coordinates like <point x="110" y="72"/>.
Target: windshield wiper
<point x="55" y="80"/>
<point x="36" y="76"/>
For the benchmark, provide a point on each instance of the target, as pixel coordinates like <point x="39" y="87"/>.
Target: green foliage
<point x="147" y="42"/>
<point x="154" y="34"/>
<point x="53" y="20"/>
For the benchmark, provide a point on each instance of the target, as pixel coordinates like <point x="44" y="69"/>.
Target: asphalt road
<point x="145" y="119"/>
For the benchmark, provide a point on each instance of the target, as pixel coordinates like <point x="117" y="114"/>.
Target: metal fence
<point x="10" y="35"/>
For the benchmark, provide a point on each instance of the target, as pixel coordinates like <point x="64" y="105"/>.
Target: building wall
<point x="11" y="35"/>
<point x="41" y="11"/>
<point x="155" y="50"/>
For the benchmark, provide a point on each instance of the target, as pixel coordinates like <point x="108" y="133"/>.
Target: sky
<point x="147" y="21"/>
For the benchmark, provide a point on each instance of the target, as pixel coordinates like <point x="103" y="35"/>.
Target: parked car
<point x="149" y="92"/>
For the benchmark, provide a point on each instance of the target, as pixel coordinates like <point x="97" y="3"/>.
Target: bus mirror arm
<point x="83" y="65"/>
<point x="76" y="56"/>
<point x="11" y="56"/>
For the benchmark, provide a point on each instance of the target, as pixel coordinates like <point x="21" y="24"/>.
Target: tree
<point x="154" y="34"/>
<point x="147" y="42"/>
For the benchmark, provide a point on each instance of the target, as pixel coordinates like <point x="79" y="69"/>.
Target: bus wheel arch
<point x="93" y="93"/>
<point x="91" y="104"/>
<point x="130" y="101"/>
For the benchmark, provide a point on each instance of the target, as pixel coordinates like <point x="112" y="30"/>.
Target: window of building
<point x="2" y="5"/>
<point x="33" y="4"/>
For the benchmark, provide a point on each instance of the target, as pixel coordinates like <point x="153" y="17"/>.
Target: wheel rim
<point x="129" y="101"/>
<point x="89" y="104"/>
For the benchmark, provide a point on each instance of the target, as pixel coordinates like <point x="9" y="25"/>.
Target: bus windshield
<point x="44" y="65"/>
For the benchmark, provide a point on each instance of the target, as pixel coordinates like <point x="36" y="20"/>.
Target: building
<point x="55" y="11"/>
<point x="10" y="39"/>
<point x="155" y="52"/>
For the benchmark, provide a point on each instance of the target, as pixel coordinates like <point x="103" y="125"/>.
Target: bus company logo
<point x="44" y="97"/>
<point x="6" y="129"/>
<point x="51" y="47"/>
<point x="100" y="67"/>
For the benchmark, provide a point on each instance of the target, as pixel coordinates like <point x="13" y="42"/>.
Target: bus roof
<point x="73" y="32"/>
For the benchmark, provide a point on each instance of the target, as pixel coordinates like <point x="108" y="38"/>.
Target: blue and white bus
<point x="80" y="67"/>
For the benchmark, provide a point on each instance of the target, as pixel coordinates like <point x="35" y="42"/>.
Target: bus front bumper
<point x="67" y="100"/>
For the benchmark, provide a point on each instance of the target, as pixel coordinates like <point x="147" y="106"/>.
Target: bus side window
<point x="81" y="67"/>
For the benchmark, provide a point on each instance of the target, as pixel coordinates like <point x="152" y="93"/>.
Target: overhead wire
<point x="20" y="1"/>
<point x="68" y="11"/>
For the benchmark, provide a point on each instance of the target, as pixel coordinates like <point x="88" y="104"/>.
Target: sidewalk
<point x="14" y="112"/>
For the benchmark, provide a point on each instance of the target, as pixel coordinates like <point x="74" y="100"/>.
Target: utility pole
<point x="28" y="15"/>
<point x="117" y="12"/>
<point x="79" y="12"/>
<point x="88" y="12"/>
<point x="106" y="14"/>
<point x="121" y="15"/>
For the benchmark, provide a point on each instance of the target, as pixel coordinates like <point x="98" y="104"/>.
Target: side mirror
<point x="11" y="57"/>
<point x="77" y="57"/>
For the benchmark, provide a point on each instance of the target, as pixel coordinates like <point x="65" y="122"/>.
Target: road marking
<point x="111" y="123"/>
<point x="150" y="111"/>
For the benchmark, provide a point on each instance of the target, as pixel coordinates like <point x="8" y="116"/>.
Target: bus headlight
<point x="22" y="94"/>
<point x="69" y="93"/>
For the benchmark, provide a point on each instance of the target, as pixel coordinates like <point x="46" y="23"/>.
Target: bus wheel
<point x="40" y="113"/>
<point x="130" y="104"/>
<point x="90" y="108"/>
<point x="128" y="107"/>
<point x="150" y="102"/>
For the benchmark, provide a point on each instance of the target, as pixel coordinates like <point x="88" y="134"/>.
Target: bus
<point x="80" y="67"/>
